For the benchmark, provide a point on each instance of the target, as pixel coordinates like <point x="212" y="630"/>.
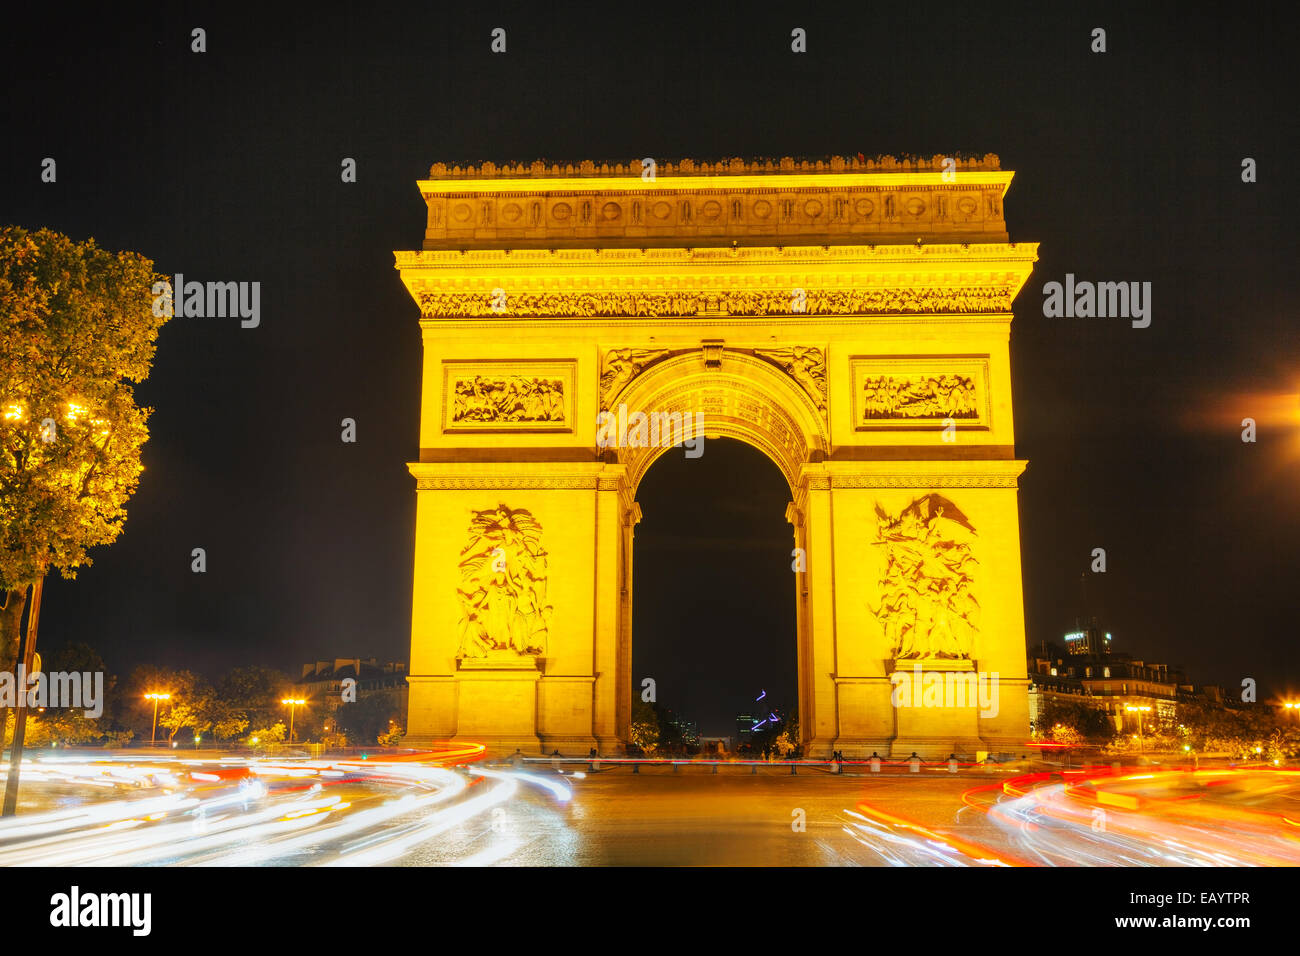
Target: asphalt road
<point x="414" y="811"/>
<point x="733" y="818"/>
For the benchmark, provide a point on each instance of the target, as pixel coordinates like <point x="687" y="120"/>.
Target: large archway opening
<point x="713" y="606"/>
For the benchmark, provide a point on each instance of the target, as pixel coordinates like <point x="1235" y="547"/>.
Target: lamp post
<point x="293" y="703"/>
<point x="153" y="736"/>
<point x="1138" y="709"/>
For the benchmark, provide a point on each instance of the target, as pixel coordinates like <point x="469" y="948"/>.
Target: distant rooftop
<point x="355" y="667"/>
<point x="543" y="169"/>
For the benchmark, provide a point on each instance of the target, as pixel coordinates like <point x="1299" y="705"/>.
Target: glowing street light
<point x="293" y="702"/>
<point x="153" y="737"/>
<point x="1138" y="709"/>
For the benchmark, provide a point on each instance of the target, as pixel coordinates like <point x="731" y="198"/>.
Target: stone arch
<point x="743" y="397"/>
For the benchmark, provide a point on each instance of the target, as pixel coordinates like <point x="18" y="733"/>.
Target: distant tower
<point x="1087" y="640"/>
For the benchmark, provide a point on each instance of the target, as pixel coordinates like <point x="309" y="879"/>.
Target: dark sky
<point x="226" y="165"/>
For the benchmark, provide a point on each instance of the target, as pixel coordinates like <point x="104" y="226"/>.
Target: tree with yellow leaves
<point x="78" y="326"/>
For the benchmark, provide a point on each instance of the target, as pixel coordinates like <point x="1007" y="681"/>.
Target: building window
<point x="1105" y="672"/>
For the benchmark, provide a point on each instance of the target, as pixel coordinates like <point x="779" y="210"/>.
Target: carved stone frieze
<point x="897" y="301"/>
<point x="835" y="199"/>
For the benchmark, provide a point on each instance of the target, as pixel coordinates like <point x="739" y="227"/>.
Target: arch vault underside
<point x="849" y="319"/>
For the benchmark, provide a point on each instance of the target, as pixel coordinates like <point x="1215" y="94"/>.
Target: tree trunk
<point x="11" y="619"/>
<point x="11" y="622"/>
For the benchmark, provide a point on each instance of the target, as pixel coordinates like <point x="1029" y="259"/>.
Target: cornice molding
<point x="496" y="482"/>
<point x="626" y="324"/>
<point x="588" y="168"/>
<point x="914" y="475"/>
<point x="972" y="255"/>
<point x="919" y="481"/>
<point x="452" y="476"/>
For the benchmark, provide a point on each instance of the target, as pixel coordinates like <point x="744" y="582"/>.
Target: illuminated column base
<point x="497" y="704"/>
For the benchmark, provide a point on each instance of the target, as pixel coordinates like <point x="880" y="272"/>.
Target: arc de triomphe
<point x="847" y="317"/>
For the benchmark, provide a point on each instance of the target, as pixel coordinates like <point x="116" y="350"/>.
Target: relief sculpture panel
<point x="503" y="575"/>
<point x="518" y="396"/>
<point x="920" y="392"/>
<point x="928" y="609"/>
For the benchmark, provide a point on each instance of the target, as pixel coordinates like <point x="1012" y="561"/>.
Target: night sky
<point x="225" y="165"/>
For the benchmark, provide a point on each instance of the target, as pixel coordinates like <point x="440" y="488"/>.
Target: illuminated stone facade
<point x="847" y="317"/>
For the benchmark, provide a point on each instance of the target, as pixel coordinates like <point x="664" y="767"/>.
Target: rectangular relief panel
<point x="508" y="396"/>
<point x="920" y="392"/>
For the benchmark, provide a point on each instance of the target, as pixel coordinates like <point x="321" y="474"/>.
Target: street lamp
<point x="293" y="703"/>
<point x="1138" y="709"/>
<point x="153" y="737"/>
